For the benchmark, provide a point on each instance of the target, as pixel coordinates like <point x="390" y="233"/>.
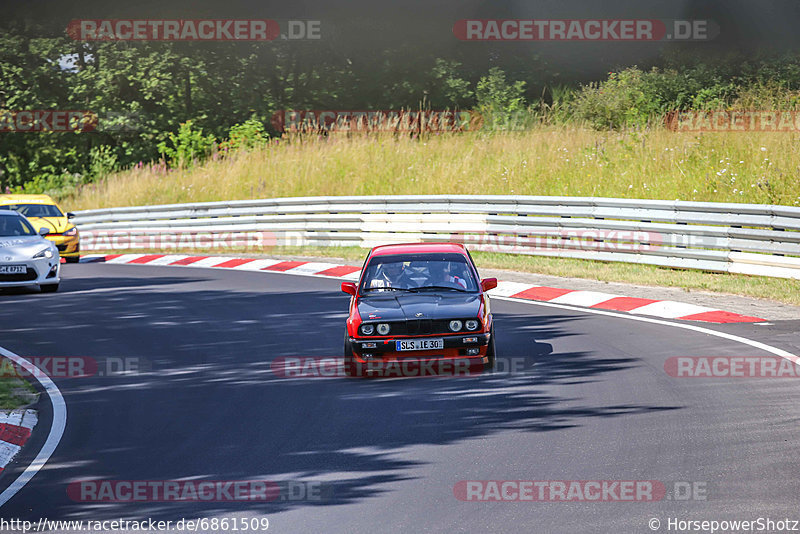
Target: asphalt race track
<point x="590" y="400"/>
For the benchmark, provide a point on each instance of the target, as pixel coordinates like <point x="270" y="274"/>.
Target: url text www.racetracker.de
<point x="205" y="524"/>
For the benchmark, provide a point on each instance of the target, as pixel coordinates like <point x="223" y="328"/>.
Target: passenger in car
<point x="442" y="275"/>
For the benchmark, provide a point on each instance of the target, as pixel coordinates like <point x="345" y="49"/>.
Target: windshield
<point x="15" y="226"/>
<point x="418" y="273"/>
<point x="34" y="210"/>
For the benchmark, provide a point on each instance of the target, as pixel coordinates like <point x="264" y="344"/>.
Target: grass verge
<point x="776" y="289"/>
<point x="14" y="392"/>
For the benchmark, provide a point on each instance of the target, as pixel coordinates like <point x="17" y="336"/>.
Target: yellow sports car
<point x="43" y="212"/>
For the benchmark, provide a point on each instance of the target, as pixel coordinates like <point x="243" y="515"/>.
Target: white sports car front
<point x="26" y="258"/>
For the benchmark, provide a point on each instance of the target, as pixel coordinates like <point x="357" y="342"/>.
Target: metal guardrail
<point x="742" y="238"/>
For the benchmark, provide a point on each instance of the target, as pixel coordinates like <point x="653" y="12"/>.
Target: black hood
<point x="399" y="306"/>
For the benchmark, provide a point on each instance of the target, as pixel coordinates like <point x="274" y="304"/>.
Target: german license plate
<point x="420" y="344"/>
<point x="13" y="269"/>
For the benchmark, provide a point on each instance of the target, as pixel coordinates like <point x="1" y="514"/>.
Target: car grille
<point x="61" y="248"/>
<point x="421" y="327"/>
<point x="27" y="277"/>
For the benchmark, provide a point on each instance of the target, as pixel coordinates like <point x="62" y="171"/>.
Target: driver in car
<point x="389" y="275"/>
<point x="11" y="227"/>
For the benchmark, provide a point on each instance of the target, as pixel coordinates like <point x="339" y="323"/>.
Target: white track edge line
<point x="56" y="429"/>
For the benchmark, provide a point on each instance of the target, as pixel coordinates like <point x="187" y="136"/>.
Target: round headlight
<point x="472" y="324"/>
<point x="367" y="329"/>
<point x="455" y="326"/>
<point x="383" y="329"/>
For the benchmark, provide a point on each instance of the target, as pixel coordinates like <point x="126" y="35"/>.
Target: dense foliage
<point x="180" y="102"/>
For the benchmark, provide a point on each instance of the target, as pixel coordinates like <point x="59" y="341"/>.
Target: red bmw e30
<point x="419" y="309"/>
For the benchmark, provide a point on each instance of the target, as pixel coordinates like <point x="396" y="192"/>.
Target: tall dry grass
<point x="654" y="164"/>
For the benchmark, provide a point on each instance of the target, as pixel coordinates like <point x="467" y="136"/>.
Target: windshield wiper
<point x="462" y="290"/>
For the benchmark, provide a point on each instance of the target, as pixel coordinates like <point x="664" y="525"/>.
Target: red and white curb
<point x="667" y="309"/>
<point x="27" y="420"/>
<point x="15" y="429"/>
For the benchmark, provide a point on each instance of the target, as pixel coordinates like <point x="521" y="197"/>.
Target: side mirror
<point x="349" y="288"/>
<point x="488" y="283"/>
<point x="43" y="231"/>
<point x="70" y="215"/>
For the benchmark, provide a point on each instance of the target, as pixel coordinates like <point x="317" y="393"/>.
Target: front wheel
<point x="72" y="259"/>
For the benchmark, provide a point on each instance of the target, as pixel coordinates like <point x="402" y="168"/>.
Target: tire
<point x="49" y="288"/>
<point x="491" y="354"/>
<point x="349" y="364"/>
<point x="72" y="259"/>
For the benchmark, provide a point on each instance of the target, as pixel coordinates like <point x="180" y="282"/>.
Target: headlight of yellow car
<point x="71" y="232"/>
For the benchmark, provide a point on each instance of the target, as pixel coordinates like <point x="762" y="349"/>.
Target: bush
<point x="49" y="183"/>
<point x="102" y="161"/>
<point x="633" y="98"/>
<point x="558" y="108"/>
<point x="626" y="99"/>
<point x="768" y="95"/>
<point x="448" y="88"/>
<point x="189" y="146"/>
<point x="501" y="103"/>
<point x="247" y="135"/>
